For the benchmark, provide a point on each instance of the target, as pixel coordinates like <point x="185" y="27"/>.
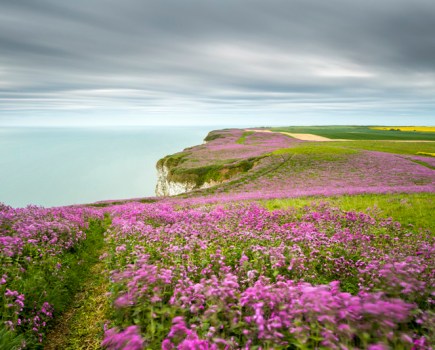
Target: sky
<point x="217" y="62"/>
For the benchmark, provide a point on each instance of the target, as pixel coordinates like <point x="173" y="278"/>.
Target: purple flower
<point x="129" y="339"/>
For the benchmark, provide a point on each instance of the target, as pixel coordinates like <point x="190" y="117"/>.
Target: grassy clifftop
<point x="225" y="155"/>
<point x="249" y="161"/>
<point x="218" y="172"/>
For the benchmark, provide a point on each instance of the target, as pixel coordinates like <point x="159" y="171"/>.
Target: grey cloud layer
<point x="246" y="56"/>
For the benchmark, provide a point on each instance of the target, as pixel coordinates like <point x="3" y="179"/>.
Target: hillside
<point x="225" y="155"/>
<point x="259" y="164"/>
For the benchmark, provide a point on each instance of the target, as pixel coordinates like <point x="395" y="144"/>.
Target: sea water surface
<point x="62" y="166"/>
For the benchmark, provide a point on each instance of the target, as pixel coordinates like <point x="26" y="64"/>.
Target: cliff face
<point x="167" y="187"/>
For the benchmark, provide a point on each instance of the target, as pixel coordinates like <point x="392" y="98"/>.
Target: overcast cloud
<point x="249" y="62"/>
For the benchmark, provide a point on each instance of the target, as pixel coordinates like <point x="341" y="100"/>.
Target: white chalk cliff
<point x="166" y="187"/>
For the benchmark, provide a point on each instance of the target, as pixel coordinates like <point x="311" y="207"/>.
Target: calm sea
<point x="61" y="166"/>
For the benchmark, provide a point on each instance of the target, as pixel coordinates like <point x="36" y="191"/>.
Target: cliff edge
<point x="225" y="155"/>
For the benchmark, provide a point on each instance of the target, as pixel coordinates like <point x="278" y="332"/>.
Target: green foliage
<point x="147" y="200"/>
<point x="424" y="164"/>
<point x="317" y="150"/>
<point x="242" y="139"/>
<point x="10" y="340"/>
<point x="104" y="204"/>
<point x="173" y="160"/>
<point x="215" y="172"/>
<point x="213" y="135"/>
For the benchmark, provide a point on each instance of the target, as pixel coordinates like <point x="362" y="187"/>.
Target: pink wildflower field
<point x="214" y="269"/>
<point x="224" y="146"/>
<point x="242" y="277"/>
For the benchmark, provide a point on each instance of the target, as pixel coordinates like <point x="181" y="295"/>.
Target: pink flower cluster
<point x="35" y="232"/>
<point x="128" y="339"/>
<point x="33" y="239"/>
<point x="241" y="277"/>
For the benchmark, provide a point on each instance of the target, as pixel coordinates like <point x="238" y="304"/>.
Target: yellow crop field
<point x="426" y="154"/>
<point x="406" y="128"/>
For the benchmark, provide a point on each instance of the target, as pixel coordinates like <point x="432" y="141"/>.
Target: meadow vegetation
<point x="241" y="276"/>
<point x="414" y="209"/>
<point x="410" y="148"/>
<point x="248" y="161"/>
<point x="306" y="245"/>
<point x="242" y="138"/>
<point x="45" y="255"/>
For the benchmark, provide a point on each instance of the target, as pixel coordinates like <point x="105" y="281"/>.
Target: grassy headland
<point x="282" y="166"/>
<point x="302" y="245"/>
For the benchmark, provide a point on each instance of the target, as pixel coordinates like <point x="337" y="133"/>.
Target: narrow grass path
<point x="81" y="325"/>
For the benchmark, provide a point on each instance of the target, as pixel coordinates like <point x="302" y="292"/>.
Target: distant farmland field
<point x="406" y="128"/>
<point x="361" y="132"/>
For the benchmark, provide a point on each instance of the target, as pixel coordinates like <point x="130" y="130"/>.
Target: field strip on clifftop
<point x="310" y="137"/>
<point x="406" y="128"/>
<point x="313" y="137"/>
<point x="303" y="137"/>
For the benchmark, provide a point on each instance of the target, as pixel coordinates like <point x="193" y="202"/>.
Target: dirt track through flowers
<point x="81" y="326"/>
